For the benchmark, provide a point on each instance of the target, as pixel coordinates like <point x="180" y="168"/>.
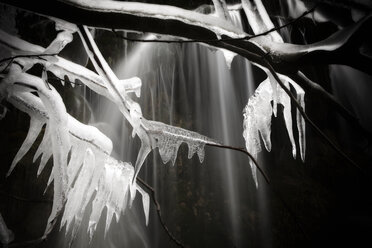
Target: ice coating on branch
<point x="258" y="113"/>
<point x="130" y="85"/>
<point x="80" y="194"/>
<point x="257" y="121"/>
<point x="259" y="20"/>
<point x="96" y="166"/>
<point x="112" y="192"/>
<point x="90" y="168"/>
<point x="108" y="179"/>
<point x="168" y="139"/>
<point x="152" y="134"/>
<point x="217" y="25"/>
<point x="57" y="123"/>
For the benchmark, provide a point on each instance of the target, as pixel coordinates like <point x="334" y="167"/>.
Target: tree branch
<point x="190" y="25"/>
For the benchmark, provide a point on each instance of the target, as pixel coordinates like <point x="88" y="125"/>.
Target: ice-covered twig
<point x="259" y="19"/>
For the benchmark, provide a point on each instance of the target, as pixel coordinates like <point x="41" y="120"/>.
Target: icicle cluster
<point x="90" y="169"/>
<point x="169" y="138"/>
<point x="258" y="112"/>
<point x="257" y="118"/>
<point x="91" y="174"/>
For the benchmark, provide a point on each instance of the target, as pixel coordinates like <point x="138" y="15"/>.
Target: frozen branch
<point x="195" y="26"/>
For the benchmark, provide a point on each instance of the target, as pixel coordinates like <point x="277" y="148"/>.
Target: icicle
<point x="145" y="203"/>
<point x="285" y="101"/>
<point x="33" y="132"/>
<point x="108" y="192"/>
<point x="130" y="85"/>
<point x="76" y="161"/>
<point x="169" y="138"/>
<point x="98" y="204"/>
<point x="57" y="45"/>
<point x="229" y="56"/>
<point x="78" y="195"/>
<point x="145" y="149"/>
<point x="257" y="119"/>
<point x="300" y="93"/>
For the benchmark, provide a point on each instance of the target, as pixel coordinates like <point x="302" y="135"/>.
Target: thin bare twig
<point x="158" y="210"/>
<point x="246" y="153"/>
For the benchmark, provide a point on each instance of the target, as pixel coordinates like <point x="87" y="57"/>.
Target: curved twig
<point x="158" y="210"/>
<point x="248" y="154"/>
